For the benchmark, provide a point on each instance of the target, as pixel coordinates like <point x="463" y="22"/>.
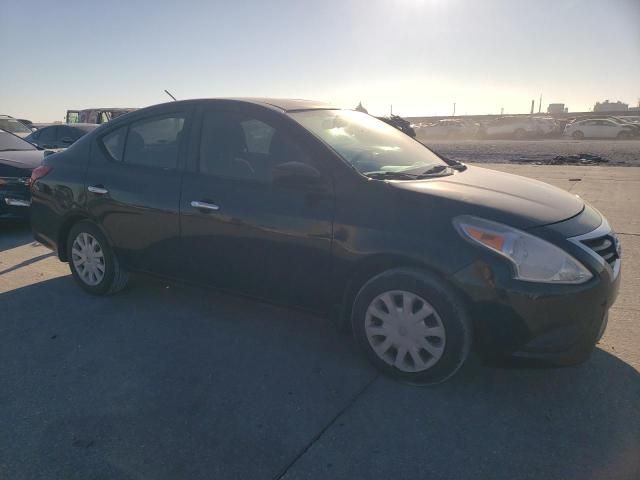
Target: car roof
<point x="282" y="104"/>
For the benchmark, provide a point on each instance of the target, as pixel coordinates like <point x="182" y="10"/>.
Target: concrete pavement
<point x="170" y="381"/>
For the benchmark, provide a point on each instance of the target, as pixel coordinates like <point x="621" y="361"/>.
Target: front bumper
<point x="559" y="324"/>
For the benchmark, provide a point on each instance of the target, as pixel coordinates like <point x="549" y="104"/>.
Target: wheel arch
<point x="374" y="265"/>
<point x="65" y="227"/>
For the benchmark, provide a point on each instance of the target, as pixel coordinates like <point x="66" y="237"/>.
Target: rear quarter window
<point x="113" y="143"/>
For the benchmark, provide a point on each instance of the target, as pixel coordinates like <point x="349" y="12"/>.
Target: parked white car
<point x="12" y="125"/>
<point x="510" y="127"/>
<point x="448" y="128"/>
<point x="602" y="128"/>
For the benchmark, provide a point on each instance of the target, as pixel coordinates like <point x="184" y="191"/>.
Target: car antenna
<point x="174" y="98"/>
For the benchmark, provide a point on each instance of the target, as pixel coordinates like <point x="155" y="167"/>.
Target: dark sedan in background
<point x="59" y="136"/>
<point x="17" y="160"/>
<point x="334" y="211"/>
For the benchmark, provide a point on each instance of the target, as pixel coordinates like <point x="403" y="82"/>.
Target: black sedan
<point x="59" y="136"/>
<point x="17" y="159"/>
<point x="335" y="211"/>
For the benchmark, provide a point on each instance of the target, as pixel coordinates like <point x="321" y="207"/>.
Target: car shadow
<point x="173" y="381"/>
<point x="14" y="234"/>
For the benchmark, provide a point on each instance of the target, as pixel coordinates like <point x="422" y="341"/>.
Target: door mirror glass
<point x="296" y="174"/>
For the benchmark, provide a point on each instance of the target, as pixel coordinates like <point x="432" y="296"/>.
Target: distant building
<point x="360" y="108"/>
<point x="608" y="106"/>
<point x="556" y="108"/>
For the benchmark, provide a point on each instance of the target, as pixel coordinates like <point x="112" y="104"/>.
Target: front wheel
<point x="93" y="264"/>
<point x="412" y="326"/>
<point x="578" y="135"/>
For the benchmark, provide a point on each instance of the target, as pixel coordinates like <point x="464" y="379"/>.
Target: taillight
<point x="38" y="173"/>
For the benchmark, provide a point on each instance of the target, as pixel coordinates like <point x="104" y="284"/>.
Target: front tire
<point x="578" y="135"/>
<point x="93" y="264"/>
<point x="411" y="326"/>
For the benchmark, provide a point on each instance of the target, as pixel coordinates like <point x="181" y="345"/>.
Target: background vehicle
<point x="399" y="123"/>
<point x="297" y="202"/>
<point x="449" y="128"/>
<point x="602" y="128"/>
<point x="18" y="158"/>
<point x="96" y="115"/>
<point x="59" y="136"/>
<point x="13" y="125"/>
<point x="547" y="126"/>
<point x="509" y="127"/>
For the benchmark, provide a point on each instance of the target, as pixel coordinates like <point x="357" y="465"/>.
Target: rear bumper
<point x="14" y="205"/>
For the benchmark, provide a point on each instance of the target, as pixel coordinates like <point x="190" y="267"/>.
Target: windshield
<point x="11" y="142"/>
<point x="14" y="126"/>
<point x="367" y="143"/>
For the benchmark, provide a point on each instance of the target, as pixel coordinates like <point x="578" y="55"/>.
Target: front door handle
<point x="99" y="189"/>
<point x="204" y="205"/>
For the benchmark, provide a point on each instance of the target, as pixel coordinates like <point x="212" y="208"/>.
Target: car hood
<point x="519" y="201"/>
<point x="28" y="159"/>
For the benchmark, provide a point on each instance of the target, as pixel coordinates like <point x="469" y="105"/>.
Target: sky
<point x="420" y="56"/>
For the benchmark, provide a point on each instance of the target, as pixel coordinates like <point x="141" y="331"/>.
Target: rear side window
<point x="155" y="142"/>
<point x="47" y="135"/>
<point x="114" y="143"/>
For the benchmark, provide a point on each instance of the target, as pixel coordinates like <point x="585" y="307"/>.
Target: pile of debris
<point x="579" y="159"/>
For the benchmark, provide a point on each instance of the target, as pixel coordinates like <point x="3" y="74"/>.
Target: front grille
<point x="606" y="246"/>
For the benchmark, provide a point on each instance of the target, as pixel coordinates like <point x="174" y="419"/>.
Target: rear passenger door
<point x="133" y="188"/>
<point x="254" y="235"/>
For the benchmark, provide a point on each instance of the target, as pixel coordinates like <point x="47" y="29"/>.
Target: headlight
<point x="534" y="259"/>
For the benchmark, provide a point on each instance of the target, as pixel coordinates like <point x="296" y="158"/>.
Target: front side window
<point x="236" y="145"/>
<point x="155" y="142"/>
<point x="367" y="143"/>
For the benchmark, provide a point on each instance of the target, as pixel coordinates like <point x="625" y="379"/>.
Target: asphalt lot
<point x="169" y="381"/>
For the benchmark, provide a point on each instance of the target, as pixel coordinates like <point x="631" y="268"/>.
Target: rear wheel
<point x="520" y="133"/>
<point x="411" y="326"/>
<point x="624" y="135"/>
<point x="92" y="261"/>
<point x="578" y="135"/>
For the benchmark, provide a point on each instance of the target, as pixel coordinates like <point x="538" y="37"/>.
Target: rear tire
<point x="578" y="135"/>
<point x="411" y="326"/>
<point x="93" y="264"/>
<point x="624" y="135"/>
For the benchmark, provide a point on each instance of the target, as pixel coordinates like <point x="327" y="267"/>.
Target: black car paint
<point x="314" y="247"/>
<point x="15" y="170"/>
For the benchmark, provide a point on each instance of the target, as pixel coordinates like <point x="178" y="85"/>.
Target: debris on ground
<point x="577" y="159"/>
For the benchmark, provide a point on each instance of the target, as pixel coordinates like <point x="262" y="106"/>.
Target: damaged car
<point x="297" y="202"/>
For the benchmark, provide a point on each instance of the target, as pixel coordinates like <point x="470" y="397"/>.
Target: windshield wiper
<point x="435" y="169"/>
<point x="392" y="175"/>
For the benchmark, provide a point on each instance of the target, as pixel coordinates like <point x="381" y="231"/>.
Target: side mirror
<point x="296" y="174"/>
<point x="67" y="141"/>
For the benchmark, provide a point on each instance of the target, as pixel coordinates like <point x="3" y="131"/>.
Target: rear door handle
<point x="100" y="190"/>
<point x="204" y="205"/>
